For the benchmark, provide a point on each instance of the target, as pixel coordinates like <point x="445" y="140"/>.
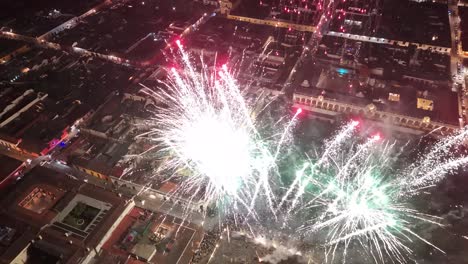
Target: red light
<point x="298" y="111"/>
<point x="355" y="122"/>
<point x="224" y="67"/>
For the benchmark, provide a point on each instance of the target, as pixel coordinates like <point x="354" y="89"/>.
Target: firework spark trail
<point x="299" y="184"/>
<point x="434" y="166"/>
<point x="207" y="129"/>
<point x="285" y="132"/>
<point x="356" y="212"/>
<point x="263" y="174"/>
<point x="361" y="198"/>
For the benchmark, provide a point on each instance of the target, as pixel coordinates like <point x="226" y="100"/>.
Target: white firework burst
<point x="208" y="131"/>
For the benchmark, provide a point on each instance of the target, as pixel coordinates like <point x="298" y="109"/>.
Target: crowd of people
<point x="206" y="247"/>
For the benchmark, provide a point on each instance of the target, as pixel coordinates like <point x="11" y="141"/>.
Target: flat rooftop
<point x="124" y="29"/>
<point x="430" y="26"/>
<point x="463" y="13"/>
<point x="172" y="239"/>
<point x="45" y="202"/>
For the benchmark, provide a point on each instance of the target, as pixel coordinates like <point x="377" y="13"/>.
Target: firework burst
<point x="210" y="134"/>
<point x="360" y="194"/>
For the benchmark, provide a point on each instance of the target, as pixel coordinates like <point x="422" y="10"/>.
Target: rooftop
<point x="36" y="18"/>
<point x="430" y="26"/>
<point x="42" y="208"/>
<point x="154" y="237"/>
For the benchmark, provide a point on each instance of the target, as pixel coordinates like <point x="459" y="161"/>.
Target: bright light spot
<point x="298" y="111"/>
<point x="218" y="149"/>
<point x="376" y="137"/>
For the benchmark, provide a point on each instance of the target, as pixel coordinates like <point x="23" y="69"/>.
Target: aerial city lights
<point x="227" y="131"/>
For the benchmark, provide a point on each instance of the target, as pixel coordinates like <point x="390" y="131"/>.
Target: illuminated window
<point x="425" y="104"/>
<point x="394" y="97"/>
